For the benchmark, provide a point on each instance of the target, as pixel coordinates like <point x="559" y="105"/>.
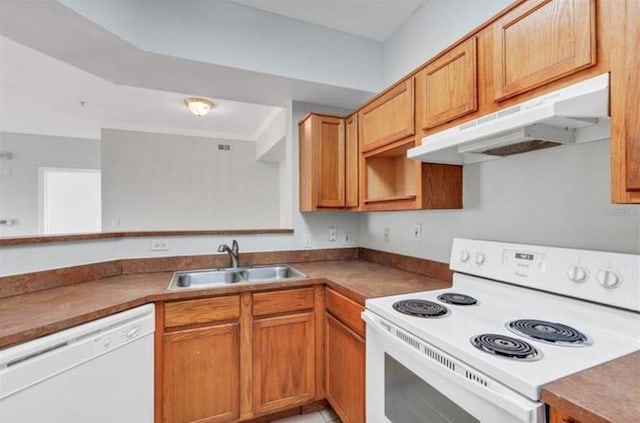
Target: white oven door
<point x="410" y="381"/>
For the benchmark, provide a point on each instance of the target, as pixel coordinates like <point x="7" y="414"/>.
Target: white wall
<point x="558" y="196"/>
<point x="20" y="259"/>
<point x="19" y="176"/>
<point x="431" y="29"/>
<point x="241" y="37"/>
<point x="163" y="182"/>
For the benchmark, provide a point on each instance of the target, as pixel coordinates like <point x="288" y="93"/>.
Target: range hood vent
<point x="578" y="113"/>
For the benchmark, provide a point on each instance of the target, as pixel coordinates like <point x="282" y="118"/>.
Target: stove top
<point x="549" y="332"/>
<point x="609" y="332"/>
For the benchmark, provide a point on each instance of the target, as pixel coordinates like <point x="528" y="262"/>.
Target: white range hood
<point x="574" y="114"/>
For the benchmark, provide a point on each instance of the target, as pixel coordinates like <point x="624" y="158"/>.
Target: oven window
<point x="409" y="399"/>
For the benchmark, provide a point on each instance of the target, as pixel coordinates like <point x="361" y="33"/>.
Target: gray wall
<point x="431" y="29"/>
<point x="558" y="196"/>
<point x="19" y="176"/>
<point x="159" y="181"/>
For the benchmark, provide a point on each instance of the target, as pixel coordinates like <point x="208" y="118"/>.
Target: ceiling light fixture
<point x="199" y="106"/>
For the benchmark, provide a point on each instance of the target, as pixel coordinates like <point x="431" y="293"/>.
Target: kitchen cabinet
<point x="238" y="357"/>
<point x="557" y="416"/>
<point x="283" y="361"/>
<point x="201" y="374"/>
<point x="446" y="88"/>
<point x="345" y="355"/>
<point x="391" y="181"/>
<point x="541" y="41"/>
<point x="625" y="88"/>
<point x="352" y="158"/>
<point x="284" y="349"/>
<point x="198" y="368"/>
<point x="328" y="174"/>
<point x="388" y="118"/>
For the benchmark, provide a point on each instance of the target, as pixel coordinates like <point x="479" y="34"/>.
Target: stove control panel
<point x="608" y="278"/>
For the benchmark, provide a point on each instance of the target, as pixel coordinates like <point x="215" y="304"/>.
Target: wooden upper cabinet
<point x="388" y="118"/>
<point x="541" y="41"/>
<point x="625" y="108"/>
<point x="201" y="374"/>
<point x="446" y="89"/>
<point x="322" y="162"/>
<point x="330" y="156"/>
<point x="283" y="362"/>
<point x="351" y="161"/>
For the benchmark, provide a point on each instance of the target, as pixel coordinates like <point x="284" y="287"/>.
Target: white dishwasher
<point x="100" y="371"/>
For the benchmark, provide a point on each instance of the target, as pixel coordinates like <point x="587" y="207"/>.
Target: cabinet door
<point x="330" y="164"/>
<point x="351" y="161"/>
<point x="201" y="374"/>
<point x="446" y="89"/>
<point x="345" y="353"/>
<point x="283" y="361"/>
<point x="541" y="41"/>
<point x="322" y="162"/>
<point x="388" y="118"/>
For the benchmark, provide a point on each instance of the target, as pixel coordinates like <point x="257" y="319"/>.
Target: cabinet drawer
<point x="346" y="310"/>
<point x="181" y="313"/>
<point x="387" y="119"/>
<point x="265" y="303"/>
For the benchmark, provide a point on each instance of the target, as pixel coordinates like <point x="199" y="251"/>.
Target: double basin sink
<point x="214" y="277"/>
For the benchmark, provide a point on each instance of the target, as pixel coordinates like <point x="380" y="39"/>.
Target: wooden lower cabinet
<point x="201" y="374"/>
<point x="283" y="361"/>
<point x="345" y="371"/>
<point x="557" y="416"/>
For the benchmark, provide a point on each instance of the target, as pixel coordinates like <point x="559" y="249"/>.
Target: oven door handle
<point x="507" y="400"/>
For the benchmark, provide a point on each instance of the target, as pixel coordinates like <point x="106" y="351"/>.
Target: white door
<point x="70" y="200"/>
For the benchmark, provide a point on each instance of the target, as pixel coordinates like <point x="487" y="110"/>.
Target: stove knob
<point x="464" y="256"/>
<point x="577" y="274"/>
<point x="609" y="278"/>
<point x="480" y="258"/>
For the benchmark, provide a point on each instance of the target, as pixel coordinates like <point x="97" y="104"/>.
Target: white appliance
<point x="577" y="113"/>
<point x="100" y="371"/>
<point x="557" y="311"/>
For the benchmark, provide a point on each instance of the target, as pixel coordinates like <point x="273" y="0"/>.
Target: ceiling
<point x="43" y="95"/>
<point x="373" y="19"/>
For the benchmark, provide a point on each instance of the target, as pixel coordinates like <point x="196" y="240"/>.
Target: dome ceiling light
<point x="199" y="106"/>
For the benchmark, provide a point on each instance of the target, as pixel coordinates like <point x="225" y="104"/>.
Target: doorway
<point x="70" y="200"/>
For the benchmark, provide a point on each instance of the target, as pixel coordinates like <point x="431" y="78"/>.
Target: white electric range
<point x="516" y="318"/>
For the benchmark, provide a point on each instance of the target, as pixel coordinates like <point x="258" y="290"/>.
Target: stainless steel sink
<point x="212" y="277"/>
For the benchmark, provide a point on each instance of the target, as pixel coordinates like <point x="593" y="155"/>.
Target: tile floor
<point x="323" y="416"/>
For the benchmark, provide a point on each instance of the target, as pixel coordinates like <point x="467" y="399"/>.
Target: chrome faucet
<point x="233" y="252"/>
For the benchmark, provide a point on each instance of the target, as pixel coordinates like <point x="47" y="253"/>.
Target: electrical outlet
<point x="306" y="243"/>
<point x="346" y="238"/>
<point x="387" y="234"/>
<point x="159" y="245"/>
<point x="333" y="234"/>
<point x="417" y="232"/>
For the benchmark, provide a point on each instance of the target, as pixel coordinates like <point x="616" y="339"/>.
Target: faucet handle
<point x="234" y="246"/>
